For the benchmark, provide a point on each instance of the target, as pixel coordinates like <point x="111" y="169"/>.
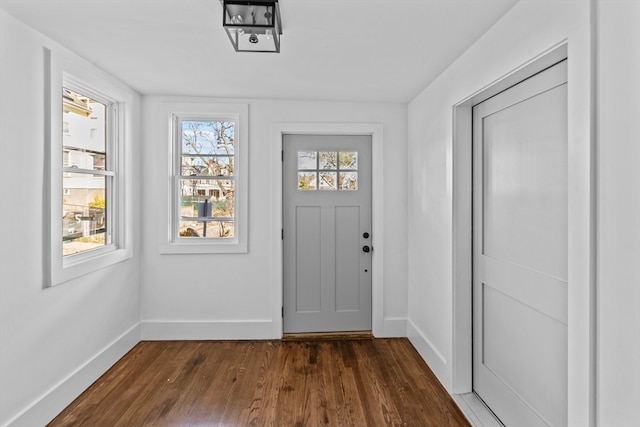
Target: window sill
<point x="72" y="269"/>
<point x="232" y="247"/>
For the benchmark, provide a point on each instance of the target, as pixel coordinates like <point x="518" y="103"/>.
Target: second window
<point x="205" y="182"/>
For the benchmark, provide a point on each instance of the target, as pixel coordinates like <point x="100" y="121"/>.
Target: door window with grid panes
<point x="327" y="170"/>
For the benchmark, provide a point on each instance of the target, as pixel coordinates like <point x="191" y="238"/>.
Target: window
<point x="207" y="209"/>
<point x="88" y="174"/>
<point x="88" y="194"/>
<point x="327" y="170"/>
<point x="207" y="163"/>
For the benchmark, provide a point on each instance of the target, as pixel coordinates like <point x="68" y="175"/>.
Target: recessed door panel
<point x="347" y="237"/>
<point x="525" y="184"/>
<point x="308" y="258"/>
<point x="515" y="332"/>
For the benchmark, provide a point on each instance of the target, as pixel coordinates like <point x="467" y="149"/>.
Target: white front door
<point x="520" y="251"/>
<point x="327" y="233"/>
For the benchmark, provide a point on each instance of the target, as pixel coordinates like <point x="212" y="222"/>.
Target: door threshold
<point x="476" y="411"/>
<point x="328" y="336"/>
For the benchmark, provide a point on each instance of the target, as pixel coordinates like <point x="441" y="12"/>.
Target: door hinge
<point x="282" y="155"/>
<point x="282" y="233"/>
<point x="282" y="312"/>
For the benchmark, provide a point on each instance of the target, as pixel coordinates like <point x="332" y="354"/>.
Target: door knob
<point x="366" y="249"/>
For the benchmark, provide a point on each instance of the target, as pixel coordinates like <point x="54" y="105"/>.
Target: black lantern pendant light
<point x="253" y="25"/>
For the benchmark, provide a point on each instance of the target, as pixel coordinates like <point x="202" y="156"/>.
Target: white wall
<point x="618" y="47"/>
<point x="234" y="295"/>
<point x="526" y="31"/>
<point x="82" y="326"/>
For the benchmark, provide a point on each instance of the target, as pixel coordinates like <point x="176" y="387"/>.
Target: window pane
<point x="83" y="159"/>
<point x="348" y="180"/>
<point x="208" y="137"/>
<point x="195" y="229"/>
<point x="207" y="148"/>
<point x="307" y="181"/>
<point x="194" y="165"/>
<point x="217" y="194"/>
<point x="328" y="160"/>
<point x="348" y="160"/>
<point x="84" y="220"/>
<point x="83" y="121"/>
<point x="307" y="160"/>
<point x="84" y="195"/>
<point x="328" y="181"/>
<point x="84" y="131"/>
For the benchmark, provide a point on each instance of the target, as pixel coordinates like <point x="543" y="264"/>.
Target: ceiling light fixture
<point x="252" y="25"/>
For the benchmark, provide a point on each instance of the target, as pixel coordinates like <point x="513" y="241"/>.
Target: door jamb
<point x="377" y="212"/>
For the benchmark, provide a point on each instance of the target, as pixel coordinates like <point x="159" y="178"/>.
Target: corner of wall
<point x="436" y="360"/>
<point x="56" y="399"/>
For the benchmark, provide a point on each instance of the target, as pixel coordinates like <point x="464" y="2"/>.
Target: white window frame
<point x="237" y="113"/>
<point x="69" y="73"/>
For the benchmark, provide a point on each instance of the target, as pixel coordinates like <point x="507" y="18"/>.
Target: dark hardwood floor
<point x="365" y="382"/>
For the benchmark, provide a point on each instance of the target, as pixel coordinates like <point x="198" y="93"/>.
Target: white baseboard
<point x="394" y="328"/>
<point x="237" y="330"/>
<point x="434" y="358"/>
<point x="59" y="397"/>
<point x="195" y="330"/>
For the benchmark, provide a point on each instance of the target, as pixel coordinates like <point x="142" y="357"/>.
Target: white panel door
<point x="327" y="233"/>
<point x="520" y="251"/>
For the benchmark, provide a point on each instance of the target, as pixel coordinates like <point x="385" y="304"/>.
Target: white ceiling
<point x="343" y="50"/>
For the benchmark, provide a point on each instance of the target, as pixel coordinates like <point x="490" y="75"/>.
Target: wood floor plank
<point x="156" y="399"/>
<point x="210" y="403"/>
<point x="317" y="382"/>
<point x="202" y="369"/>
<point x="261" y="392"/>
<point x="332" y="402"/>
<point x="351" y="401"/>
<point x="374" y="379"/>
